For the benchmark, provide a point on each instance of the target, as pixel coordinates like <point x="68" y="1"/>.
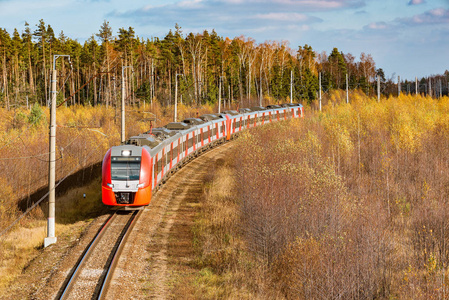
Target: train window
<point x="125" y="168"/>
<point x="167" y="156"/>
<point x="205" y="135"/>
<point x="159" y="165"/>
<point x="190" y="143"/>
<point x="175" y="152"/>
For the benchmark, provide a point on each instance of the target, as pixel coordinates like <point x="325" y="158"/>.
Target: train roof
<point x="220" y="115"/>
<point x="244" y="110"/>
<point x="257" y="108"/>
<point x="193" y="121"/>
<point x="232" y="112"/>
<point x="177" y="126"/>
<point x="144" y="140"/>
<point x="209" y="117"/>
<point x="162" y="132"/>
<point x="291" y="105"/>
<point x="273" y="106"/>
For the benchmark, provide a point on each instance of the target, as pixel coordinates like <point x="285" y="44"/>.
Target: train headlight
<point x="141" y="185"/>
<point x="110" y="185"/>
<point x="126" y="152"/>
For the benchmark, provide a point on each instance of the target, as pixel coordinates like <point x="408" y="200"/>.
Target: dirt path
<point x="158" y="263"/>
<point x="158" y="260"/>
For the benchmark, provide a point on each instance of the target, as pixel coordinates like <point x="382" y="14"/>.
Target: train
<point x="133" y="171"/>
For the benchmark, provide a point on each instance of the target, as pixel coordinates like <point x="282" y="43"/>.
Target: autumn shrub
<point x="299" y="219"/>
<point x="350" y="202"/>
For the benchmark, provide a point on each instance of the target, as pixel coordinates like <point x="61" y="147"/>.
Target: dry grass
<point x="348" y="203"/>
<point x="25" y="242"/>
<point x="228" y="269"/>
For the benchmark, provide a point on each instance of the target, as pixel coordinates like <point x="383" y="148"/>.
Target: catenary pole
<point x="176" y="98"/>
<point x="123" y="136"/>
<point x="219" y="94"/>
<point x="320" y="89"/>
<point x="416" y="86"/>
<point x="347" y="89"/>
<point x="378" y="88"/>
<point x="51" y="227"/>
<point x="291" y="86"/>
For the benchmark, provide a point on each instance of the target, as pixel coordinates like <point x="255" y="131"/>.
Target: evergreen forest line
<point x="199" y="65"/>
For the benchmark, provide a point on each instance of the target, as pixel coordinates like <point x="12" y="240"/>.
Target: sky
<point x="406" y="38"/>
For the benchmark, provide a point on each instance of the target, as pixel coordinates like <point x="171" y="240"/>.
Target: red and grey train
<point x="132" y="171"/>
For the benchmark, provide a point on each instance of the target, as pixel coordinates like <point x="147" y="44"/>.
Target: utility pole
<point x="347" y="89"/>
<point x="430" y="87"/>
<point x="320" y="89"/>
<point x="51" y="237"/>
<point x="176" y="97"/>
<point x="229" y="96"/>
<point x="416" y="86"/>
<point x="291" y="86"/>
<point x="219" y="94"/>
<point x="399" y="86"/>
<point x="123" y="136"/>
<point x="378" y="88"/>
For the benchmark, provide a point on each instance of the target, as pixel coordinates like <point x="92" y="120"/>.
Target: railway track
<point x="90" y="277"/>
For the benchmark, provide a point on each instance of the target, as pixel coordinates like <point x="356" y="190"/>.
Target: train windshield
<point x="125" y="168"/>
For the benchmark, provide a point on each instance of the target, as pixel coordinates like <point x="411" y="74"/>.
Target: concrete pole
<point x="378" y="88"/>
<point x="320" y="88"/>
<point x="229" y="96"/>
<point x="399" y="85"/>
<point x="123" y="135"/>
<point x="123" y="108"/>
<point x="291" y="86"/>
<point x="219" y="94"/>
<point x="51" y="237"/>
<point x="347" y="89"/>
<point x="176" y="98"/>
<point x="416" y="86"/>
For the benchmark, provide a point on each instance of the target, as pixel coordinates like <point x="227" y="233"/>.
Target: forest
<point x="367" y="220"/>
<point x="347" y="203"/>
<point x="201" y="66"/>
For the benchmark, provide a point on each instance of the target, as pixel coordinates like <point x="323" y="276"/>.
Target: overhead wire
<point x="43" y="154"/>
<point x="45" y="196"/>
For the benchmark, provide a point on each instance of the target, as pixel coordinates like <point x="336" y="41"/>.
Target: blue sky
<point x="405" y="37"/>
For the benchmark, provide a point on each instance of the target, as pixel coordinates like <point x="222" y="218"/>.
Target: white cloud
<point x="432" y="17"/>
<point x="416" y="2"/>
<point x="377" y="25"/>
<point x="283" y="17"/>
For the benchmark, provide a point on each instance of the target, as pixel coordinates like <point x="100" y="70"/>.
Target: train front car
<point x="126" y="176"/>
